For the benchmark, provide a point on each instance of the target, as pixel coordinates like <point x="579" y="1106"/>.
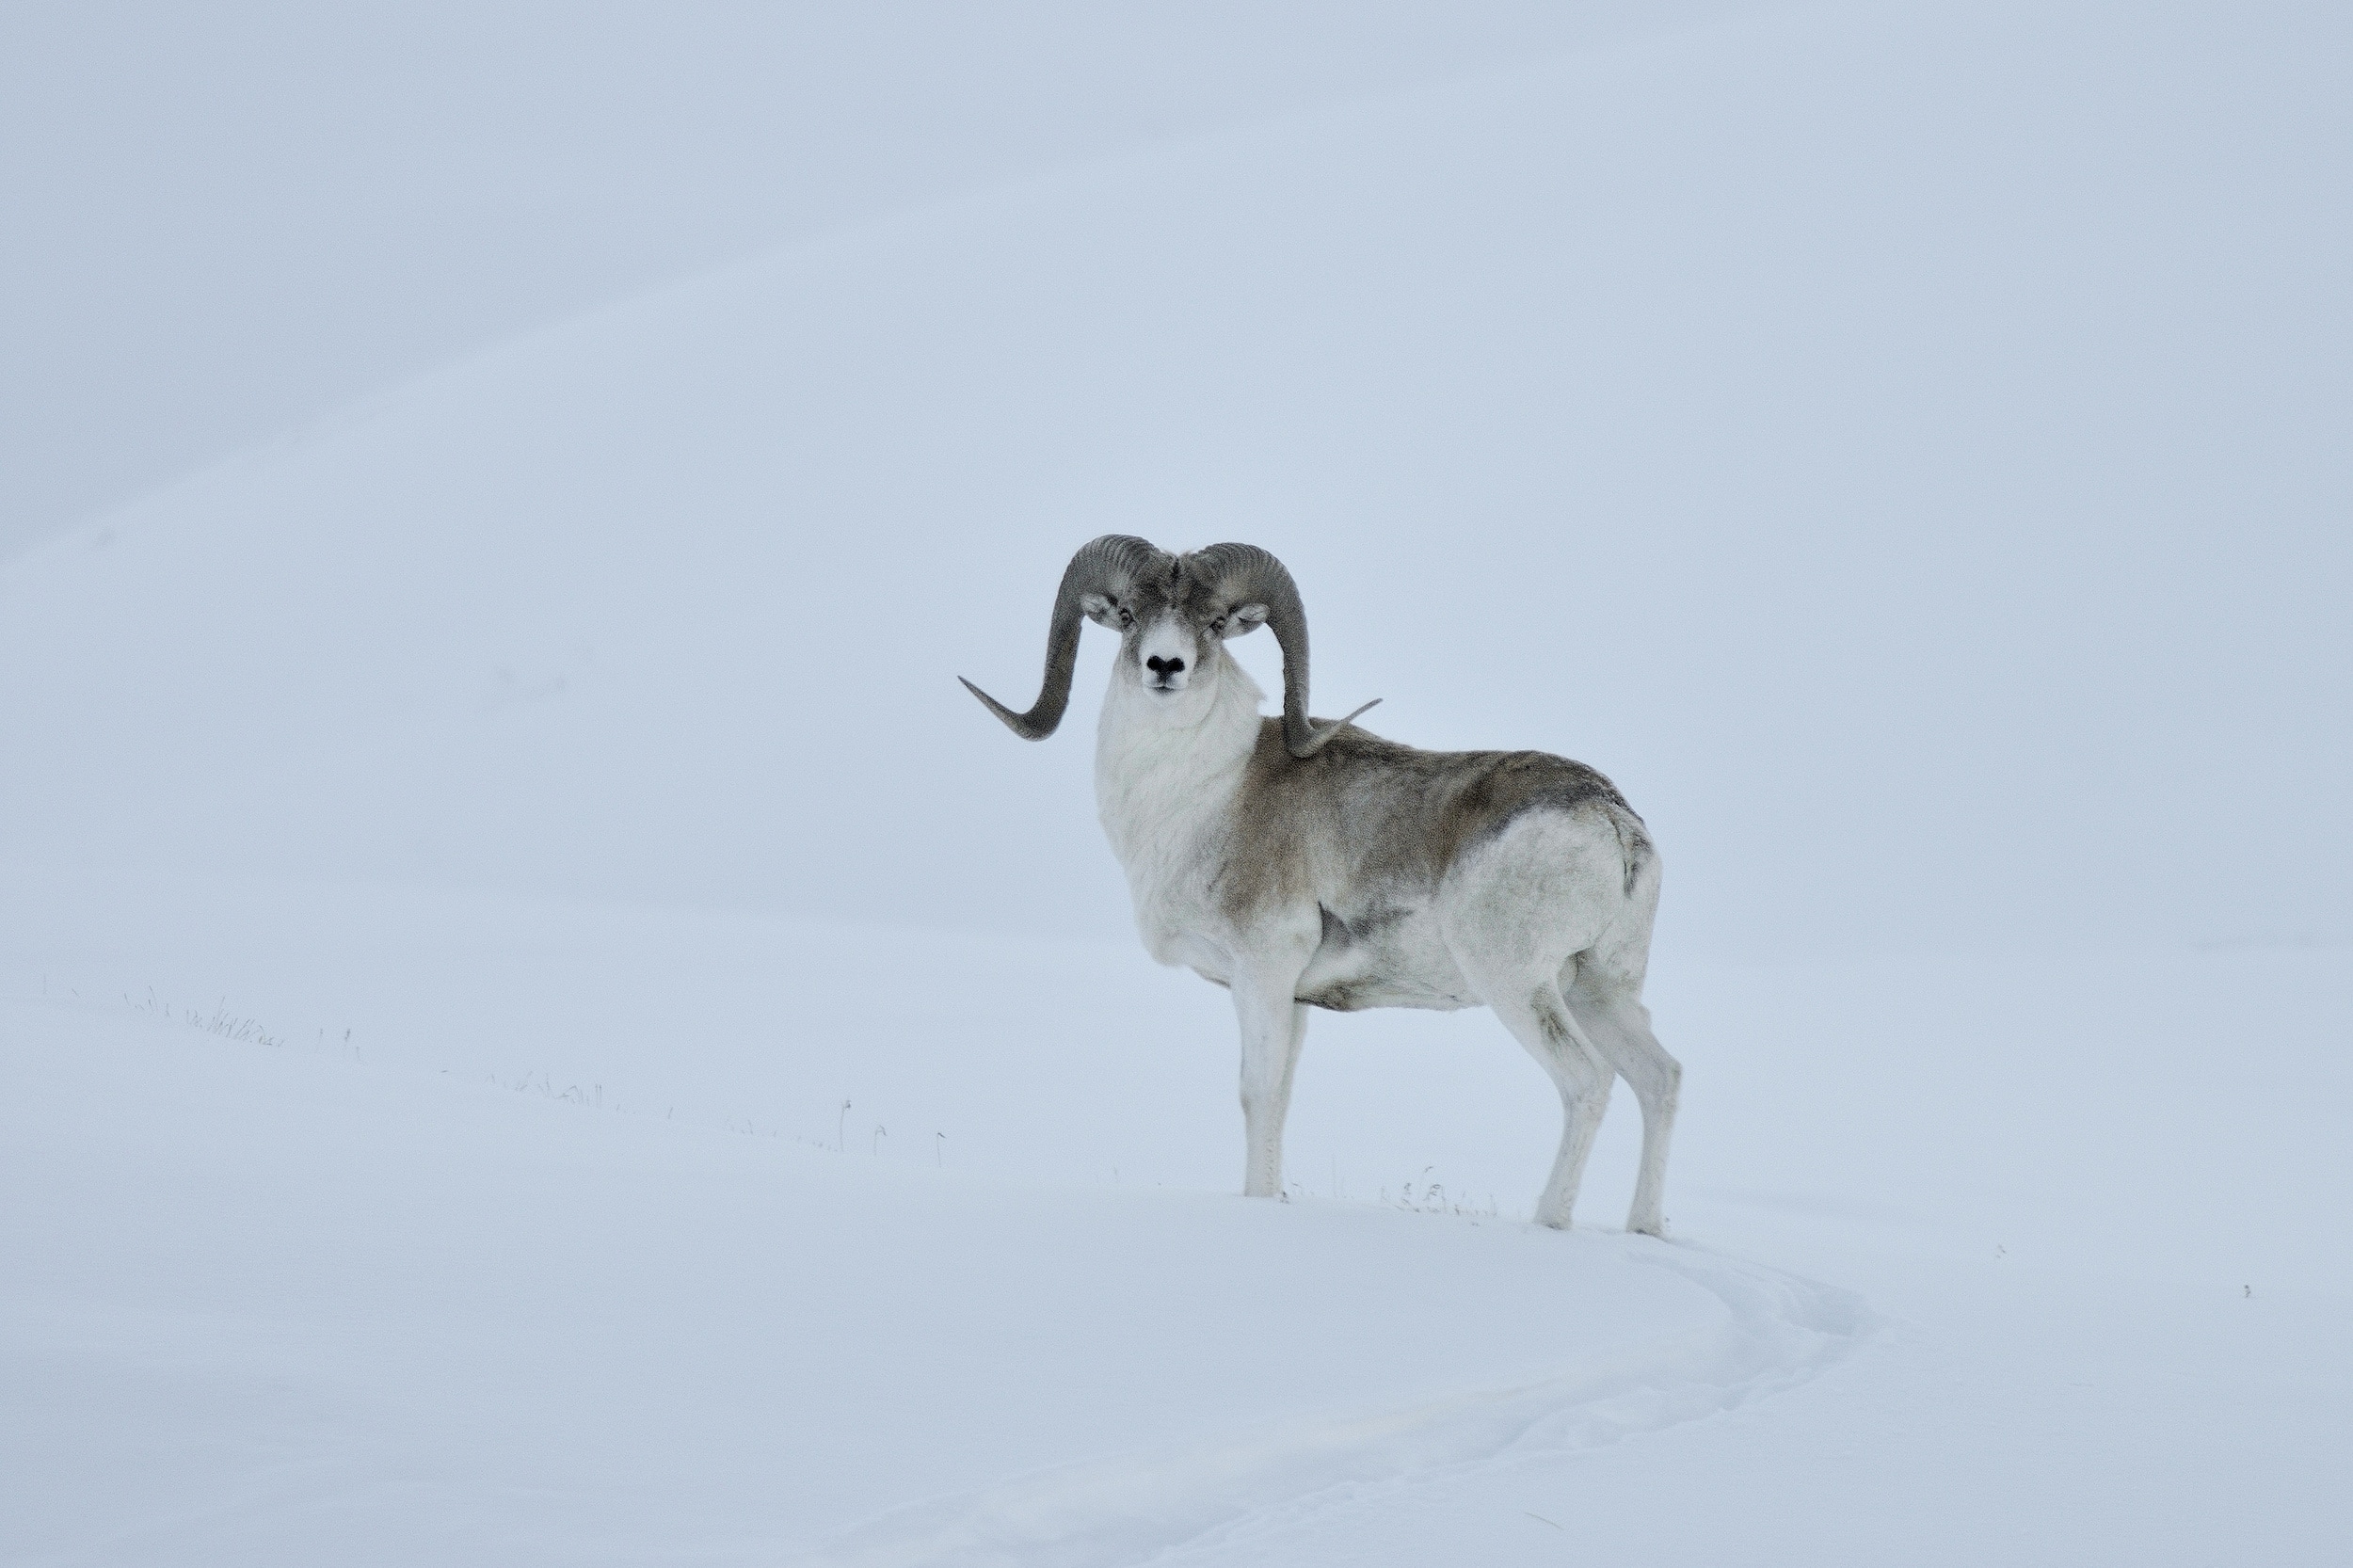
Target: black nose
<point x="1158" y="665"/>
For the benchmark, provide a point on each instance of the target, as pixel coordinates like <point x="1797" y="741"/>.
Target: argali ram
<point x="1302" y="863"/>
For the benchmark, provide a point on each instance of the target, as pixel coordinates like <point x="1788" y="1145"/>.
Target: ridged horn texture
<point x="1109" y="566"/>
<point x="1244" y="574"/>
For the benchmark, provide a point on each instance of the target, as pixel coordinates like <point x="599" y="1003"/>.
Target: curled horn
<point x="1106" y="567"/>
<point x="1246" y="574"/>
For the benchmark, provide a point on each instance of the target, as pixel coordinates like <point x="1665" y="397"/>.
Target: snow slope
<point x="1878" y="429"/>
<point x="542" y="1026"/>
<point x="235" y="218"/>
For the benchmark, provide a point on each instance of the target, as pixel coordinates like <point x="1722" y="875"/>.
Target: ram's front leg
<point x="1273" y="1024"/>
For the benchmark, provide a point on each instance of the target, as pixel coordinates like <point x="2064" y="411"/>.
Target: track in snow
<point x="1166" y="1506"/>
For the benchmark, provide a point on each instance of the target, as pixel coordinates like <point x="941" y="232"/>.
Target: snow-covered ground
<point x="356" y="1226"/>
<point x="540" y="1025"/>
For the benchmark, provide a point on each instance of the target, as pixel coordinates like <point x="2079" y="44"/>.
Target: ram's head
<point x="1172" y="612"/>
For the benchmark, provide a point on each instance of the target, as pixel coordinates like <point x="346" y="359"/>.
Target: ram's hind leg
<point x="1615" y="1019"/>
<point x="1541" y="1021"/>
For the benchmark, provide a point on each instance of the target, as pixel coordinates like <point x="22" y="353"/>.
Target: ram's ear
<point x="1245" y="619"/>
<point x="1101" y="609"/>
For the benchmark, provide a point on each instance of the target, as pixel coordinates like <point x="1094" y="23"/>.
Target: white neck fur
<point x="1159" y="775"/>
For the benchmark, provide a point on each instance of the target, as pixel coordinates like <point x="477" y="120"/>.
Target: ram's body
<point x="1304" y="865"/>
